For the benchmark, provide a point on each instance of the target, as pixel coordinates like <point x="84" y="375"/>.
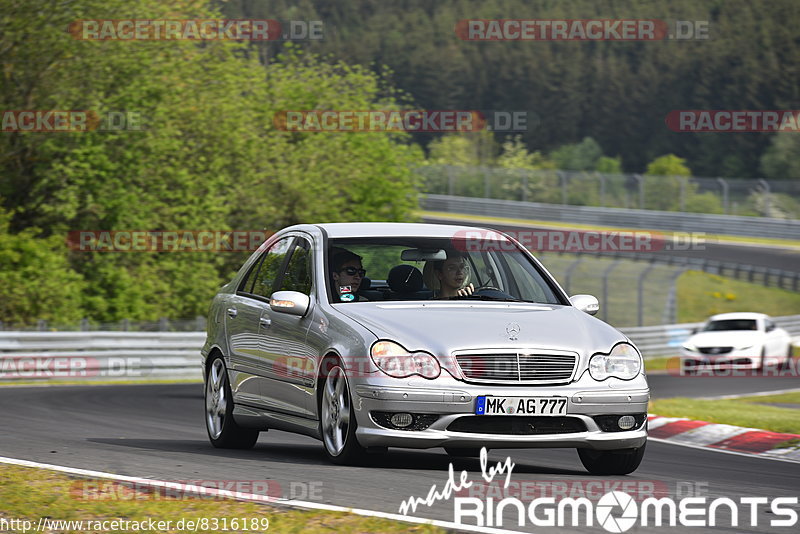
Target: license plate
<point x="490" y="405"/>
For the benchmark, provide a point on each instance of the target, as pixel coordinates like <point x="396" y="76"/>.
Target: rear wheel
<point x="223" y="431"/>
<point x="787" y="363"/>
<point x="613" y="462"/>
<point x="337" y="420"/>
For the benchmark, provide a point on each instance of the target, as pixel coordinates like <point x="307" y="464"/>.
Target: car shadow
<point x="313" y="454"/>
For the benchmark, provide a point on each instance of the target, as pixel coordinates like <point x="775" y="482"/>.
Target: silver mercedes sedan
<point x="375" y="335"/>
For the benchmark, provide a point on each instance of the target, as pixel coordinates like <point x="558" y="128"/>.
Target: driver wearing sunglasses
<point x="347" y="273"/>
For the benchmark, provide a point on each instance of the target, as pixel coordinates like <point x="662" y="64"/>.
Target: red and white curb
<point x="729" y="438"/>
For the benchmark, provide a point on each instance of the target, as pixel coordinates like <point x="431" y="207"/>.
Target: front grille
<point x="715" y="350"/>
<point x="514" y="367"/>
<point x="516" y="425"/>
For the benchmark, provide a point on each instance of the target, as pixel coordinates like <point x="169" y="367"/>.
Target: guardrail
<point x="619" y="217"/>
<point x="666" y="340"/>
<point x="99" y="355"/>
<point x="44" y="356"/>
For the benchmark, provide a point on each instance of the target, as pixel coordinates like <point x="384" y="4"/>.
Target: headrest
<point x="365" y="283"/>
<point x="404" y="279"/>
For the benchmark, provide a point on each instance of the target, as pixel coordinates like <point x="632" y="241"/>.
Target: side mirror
<point x="770" y="327"/>
<point x="695" y="330"/>
<point x="291" y="302"/>
<point x="585" y="303"/>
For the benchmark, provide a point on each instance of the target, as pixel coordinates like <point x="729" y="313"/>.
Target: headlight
<point x="623" y="362"/>
<point x="396" y="361"/>
<point x="690" y="348"/>
<point x="744" y="348"/>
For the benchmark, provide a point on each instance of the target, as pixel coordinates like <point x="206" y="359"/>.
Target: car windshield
<point x="731" y="324"/>
<point x="418" y="268"/>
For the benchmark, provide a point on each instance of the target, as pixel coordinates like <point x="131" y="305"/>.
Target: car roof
<point x="738" y="315"/>
<point x="384" y="229"/>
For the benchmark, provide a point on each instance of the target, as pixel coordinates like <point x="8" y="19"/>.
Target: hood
<point x="726" y="338"/>
<point x="441" y="328"/>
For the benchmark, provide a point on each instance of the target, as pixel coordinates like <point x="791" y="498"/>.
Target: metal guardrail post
<point x="767" y="196"/>
<point x="606" y="273"/>
<point x="568" y="273"/>
<point x="639" y="178"/>
<point x="562" y="176"/>
<point x="451" y="181"/>
<point x="524" y="186"/>
<point x="724" y="184"/>
<point x="640" y="302"/>
<point x="602" y="189"/>
<point x="671" y="309"/>
<point x="683" y="180"/>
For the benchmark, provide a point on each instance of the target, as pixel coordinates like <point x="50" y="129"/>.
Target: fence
<point x="175" y="355"/>
<point x="623" y="218"/>
<point x="125" y="325"/>
<point x="774" y="199"/>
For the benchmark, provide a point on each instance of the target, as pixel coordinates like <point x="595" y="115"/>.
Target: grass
<point x="786" y="243"/>
<point x="749" y="412"/>
<point x="662" y="364"/>
<point x="701" y="295"/>
<point x="27" y="493"/>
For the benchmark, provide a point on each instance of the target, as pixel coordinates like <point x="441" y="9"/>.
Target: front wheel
<point x="613" y="462"/>
<point x="223" y="432"/>
<point x="338" y="421"/>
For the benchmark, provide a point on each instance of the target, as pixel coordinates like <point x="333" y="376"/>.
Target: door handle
<point x="232" y="312"/>
<point x="265" y="322"/>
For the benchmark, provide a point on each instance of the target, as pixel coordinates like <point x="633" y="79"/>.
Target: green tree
<point x="208" y="156"/>
<point x="781" y="161"/>
<point x="583" y="156"/>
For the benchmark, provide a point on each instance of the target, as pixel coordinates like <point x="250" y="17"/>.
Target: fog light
<point x="626" y="422"/>
<point x="401" y="420"/>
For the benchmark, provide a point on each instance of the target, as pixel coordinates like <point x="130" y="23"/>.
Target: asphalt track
<point x="772" y="257"/>
<point x="157" y="431"/>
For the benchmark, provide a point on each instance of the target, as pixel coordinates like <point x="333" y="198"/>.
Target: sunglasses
<point x="351" y="271"/>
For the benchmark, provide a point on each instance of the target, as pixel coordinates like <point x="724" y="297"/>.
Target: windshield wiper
<point x="489" y="297"/>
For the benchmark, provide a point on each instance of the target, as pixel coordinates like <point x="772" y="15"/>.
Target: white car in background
<point x="738" y="341"/>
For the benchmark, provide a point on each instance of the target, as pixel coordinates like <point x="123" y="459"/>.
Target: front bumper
<point x="451" y="400"/>
<point x="735" y="359"/>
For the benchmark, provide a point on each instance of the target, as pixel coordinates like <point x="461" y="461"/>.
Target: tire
<point x="469" y="452"/>
<point x="223" y="432"/>
<point x="613" y="462"/>
<point x="787" y="363"/>
<point x="337" y="421"/>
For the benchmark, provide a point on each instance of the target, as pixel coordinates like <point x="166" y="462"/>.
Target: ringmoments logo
<point x="615" y="511"/>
